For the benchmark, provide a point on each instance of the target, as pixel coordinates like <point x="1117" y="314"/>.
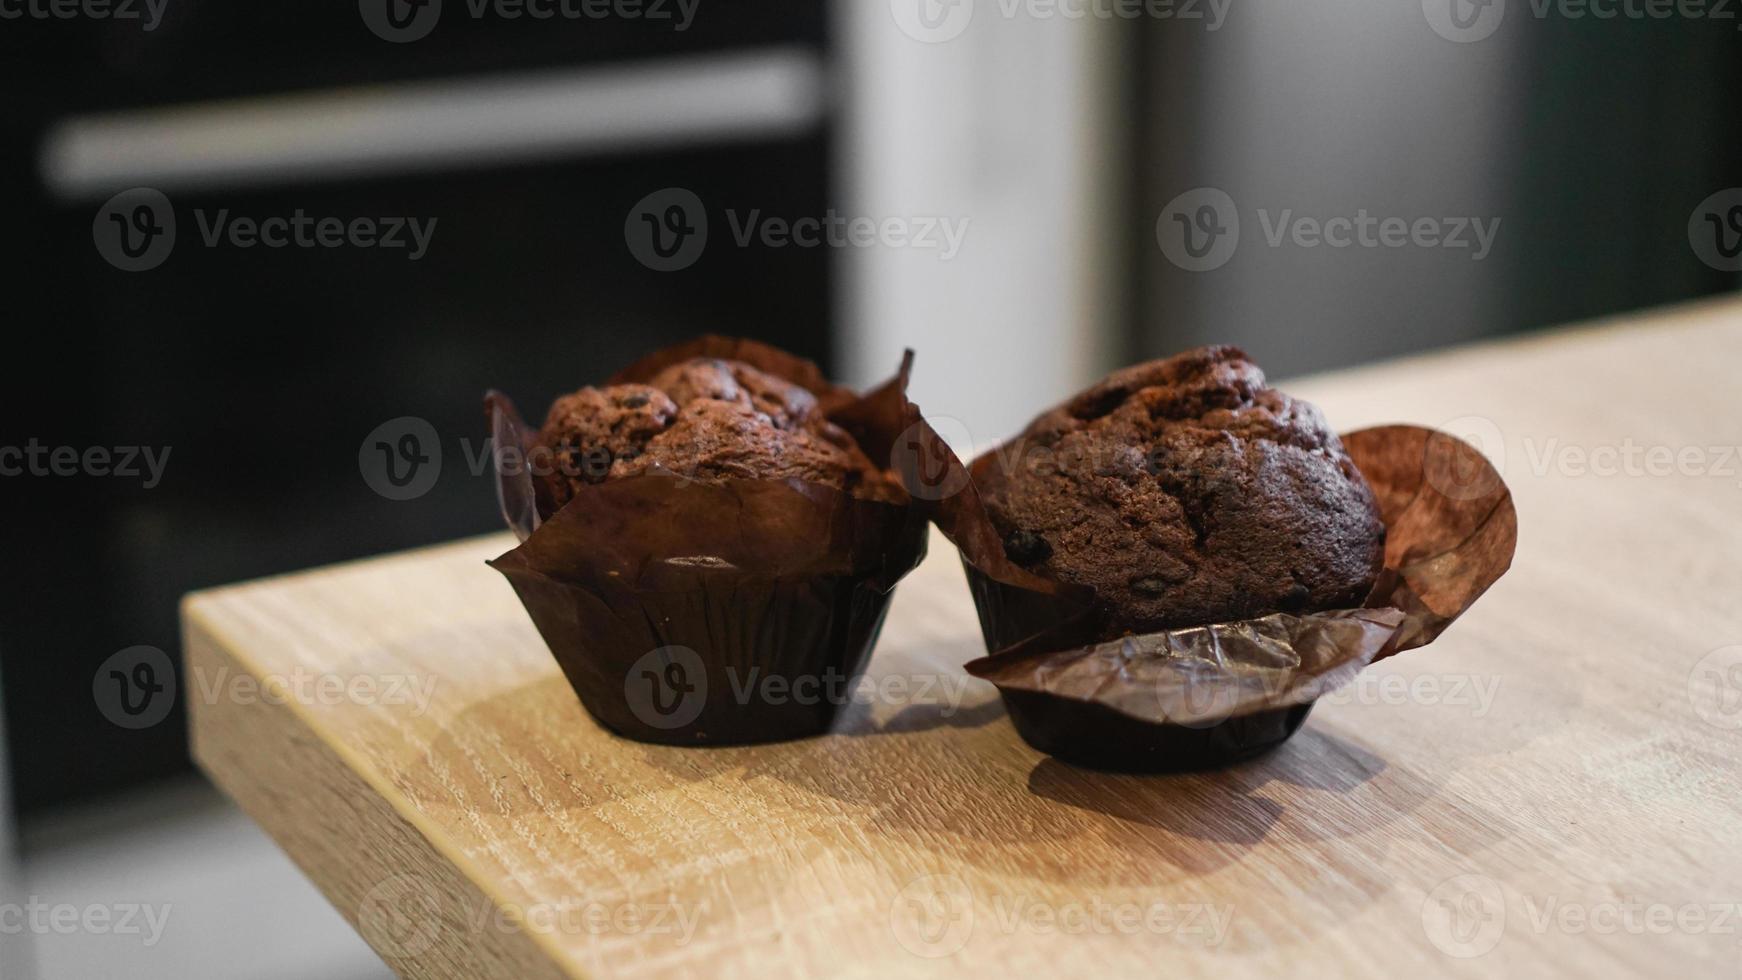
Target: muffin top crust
<point x="1187" y="491"/>
<point x="705" y="419"/>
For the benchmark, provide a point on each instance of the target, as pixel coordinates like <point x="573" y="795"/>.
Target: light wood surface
<point x="1554" y="787"/>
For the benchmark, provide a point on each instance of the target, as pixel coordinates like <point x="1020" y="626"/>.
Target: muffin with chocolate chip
<point x="1187" y="491"/>
<point x="712" y="528"/>
<point x="704" y="418"/>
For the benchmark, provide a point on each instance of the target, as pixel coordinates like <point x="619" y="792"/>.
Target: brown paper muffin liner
<point x="717" y="612"/>
<point x="1210" y="695"/>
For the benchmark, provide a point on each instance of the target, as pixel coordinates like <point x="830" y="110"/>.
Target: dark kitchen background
<point x="1057" y="142"/>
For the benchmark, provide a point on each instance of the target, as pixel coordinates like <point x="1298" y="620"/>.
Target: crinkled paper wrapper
<point x="1207" y="695"/>
<point x="673" y="604"/>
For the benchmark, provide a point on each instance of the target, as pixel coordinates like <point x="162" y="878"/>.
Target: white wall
<point x="1326" y="108"/>
<point x="1004" y="125"/>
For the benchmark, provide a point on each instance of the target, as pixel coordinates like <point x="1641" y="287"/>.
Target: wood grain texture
<point x="1554" y="787"/>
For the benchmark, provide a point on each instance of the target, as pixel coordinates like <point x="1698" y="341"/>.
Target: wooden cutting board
<point x="1553" y="787"/>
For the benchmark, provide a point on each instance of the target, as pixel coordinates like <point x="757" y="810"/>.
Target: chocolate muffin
<point x="1185" y="492"/>
<point x="706" y="532"/>
<point x="706" y="419"/>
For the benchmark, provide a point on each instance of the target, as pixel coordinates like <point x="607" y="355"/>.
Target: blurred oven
<point x="526" y="151"/>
